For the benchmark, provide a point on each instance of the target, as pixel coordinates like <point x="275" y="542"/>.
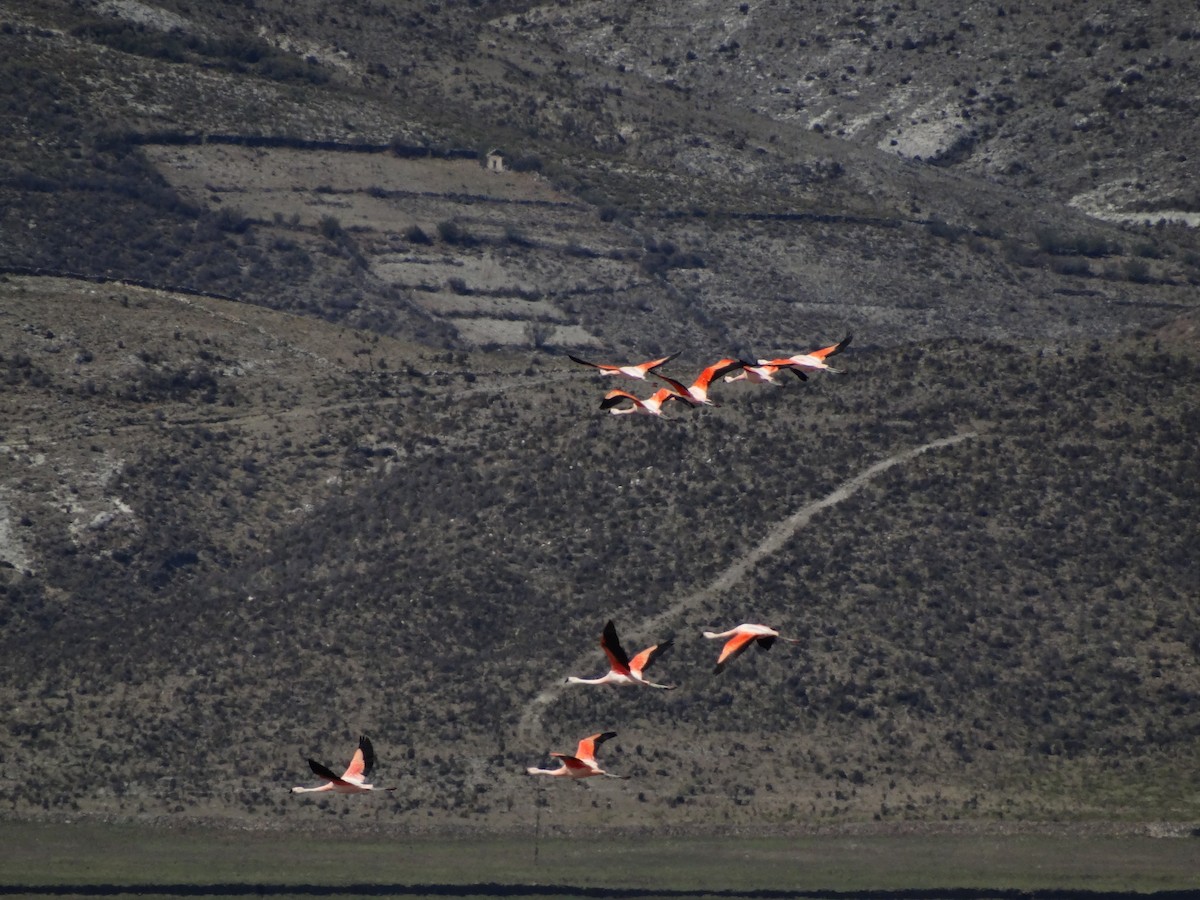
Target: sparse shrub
<point x="453" y="233"/>
<point x="516" y="237"/>
<point x="526" y="162"/>
<point x="1060" y="243"/>
<point x="1021" y="254"/>
<point x="330" y="228"/>
<point x="944" y="230"/>
<point x="537" y="333"/>
<point x="1137" y="270"/>
<point x="232" y="219"/>
<point x="1074" y="267"/>
<point x="574" y="248"/>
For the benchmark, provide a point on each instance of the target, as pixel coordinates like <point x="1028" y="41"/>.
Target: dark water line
<point x="549" y="890"/>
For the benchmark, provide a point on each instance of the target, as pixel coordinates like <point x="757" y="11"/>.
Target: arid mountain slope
<point x="678" y="218"/>
<point x="239" y="538"/>
<point x="292" y="450"/>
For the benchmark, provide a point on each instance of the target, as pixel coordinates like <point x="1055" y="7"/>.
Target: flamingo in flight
<point x="698" y="389"/>
<point x="741" y="637"/>
<point x="639" y="371"/>
<point x="621" y="669"/>
<point x="583" y="764"/>
<point x="651" y="406"/>
<point x="353" y="780"/>
<point x="763" y="374"/>
<point x="813" y="361"/>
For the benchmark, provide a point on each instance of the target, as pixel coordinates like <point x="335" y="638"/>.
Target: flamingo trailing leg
<point x="638" y="370"/>
<point x="739" y="638"/>
<point x="353" y="780"/>
<point x="583" y="764"/>
<point x="621" y="669"/>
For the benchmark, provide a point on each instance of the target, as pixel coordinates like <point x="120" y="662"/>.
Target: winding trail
<point x="737" y="570"/>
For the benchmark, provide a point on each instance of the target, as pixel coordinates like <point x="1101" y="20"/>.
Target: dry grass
<point x="85" y="854"/>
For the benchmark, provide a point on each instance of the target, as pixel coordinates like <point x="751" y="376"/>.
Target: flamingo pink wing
<point x="832" y="349"/>
<point x="677" y="386"/>
<point x="572" y="763"/>
<point x="358" y="764"/>
<point x="587" y="747"/>
<point x="612" y="398"/>
<point x="716" y="370"/>
<point x="733" y="648"/>
<point x="643" y="660"/>
<point x="653" y="364"/>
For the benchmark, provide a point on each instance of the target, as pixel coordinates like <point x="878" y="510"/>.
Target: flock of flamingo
<point x="624" y="671"/>
<point x="620" y="402"/>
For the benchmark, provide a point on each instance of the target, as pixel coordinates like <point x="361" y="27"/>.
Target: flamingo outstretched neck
<point x="739" y="638"/>
<point x="813" y="361"/>
<point x="583" y="764"/>
<point x="621" y="669"/>
<point x="636" y="370"/>
<point x="353" y="780"/>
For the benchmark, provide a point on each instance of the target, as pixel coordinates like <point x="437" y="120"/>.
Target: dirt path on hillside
<point x="775" y="540"/>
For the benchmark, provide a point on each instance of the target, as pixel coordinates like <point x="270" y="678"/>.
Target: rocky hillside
<point x="292" y="449"/>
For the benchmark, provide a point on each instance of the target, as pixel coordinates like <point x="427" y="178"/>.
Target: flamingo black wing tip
<point x="322" y="771"/>
<point x="368" y="752"/>
<point x="728" y="367"/>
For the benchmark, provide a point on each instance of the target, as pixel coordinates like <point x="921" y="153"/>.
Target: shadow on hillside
<point x="550" y="890"/>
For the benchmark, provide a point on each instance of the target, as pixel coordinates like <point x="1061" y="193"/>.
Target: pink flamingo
<point x="583" y="764"/>
<point x="740" y="638"/>
<point x="813" y="361"/>
<point x="763" y="374"/>
<point x="651" y="406"/>
<point x="698" y="389"/>
<point x="353" y="780"/>
<point x="638" y="371"/>
<point x="621" y="669"/>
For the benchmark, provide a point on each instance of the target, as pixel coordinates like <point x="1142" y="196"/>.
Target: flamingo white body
<point x="810" y="362"/>
<point x="698" y="389"/>
<point x="739" y="638"/>
<point x="621" y="669"/>
<point x="353" y="780"/>
<point x="638" y="370"/>
<point x="583" y="764"/>
<point x="651" y="406"/>
<point x="762" y="374"/>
